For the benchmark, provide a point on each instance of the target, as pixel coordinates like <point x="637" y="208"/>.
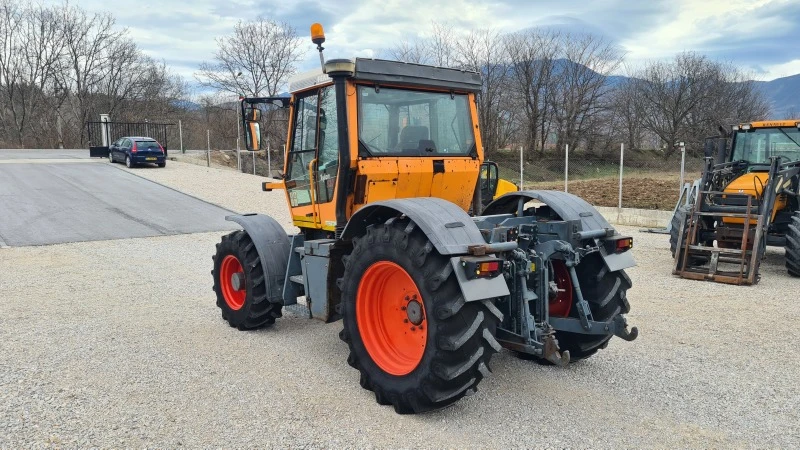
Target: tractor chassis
<point x="525" y="245"/>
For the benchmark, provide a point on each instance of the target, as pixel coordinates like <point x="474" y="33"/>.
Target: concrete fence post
<point x="208" y="152"/>
<point x="180" y="135"/>
<point x="621" y="165"/>
<point x="683" y="164"/>
<point x="521" y="170"/>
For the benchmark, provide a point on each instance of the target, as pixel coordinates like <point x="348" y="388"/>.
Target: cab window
<point x="303" y="149"/>
<point x="404" y="122"/>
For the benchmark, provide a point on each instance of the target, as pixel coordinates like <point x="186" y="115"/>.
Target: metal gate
<point x="103" y="134"/>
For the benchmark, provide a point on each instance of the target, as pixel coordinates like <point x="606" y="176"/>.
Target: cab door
<point x="313" y="159"/>
<point x="301" y="160"/>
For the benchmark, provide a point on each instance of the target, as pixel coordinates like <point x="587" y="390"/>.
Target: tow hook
<point x="621" y="329"/>
<point x="551" y="351"/>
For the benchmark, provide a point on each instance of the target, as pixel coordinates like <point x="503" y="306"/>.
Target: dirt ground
<point x="644" y="193"/>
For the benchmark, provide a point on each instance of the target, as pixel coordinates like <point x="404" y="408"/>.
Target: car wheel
<point x="110" y="157"/>
<point x="163" y="164"/>
<point x="128" y="162"/>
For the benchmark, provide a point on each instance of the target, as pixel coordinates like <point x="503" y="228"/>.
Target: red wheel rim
<point x="230" y="266"/>
<point x="391" y="318"/>
<point x="561" y="303"/>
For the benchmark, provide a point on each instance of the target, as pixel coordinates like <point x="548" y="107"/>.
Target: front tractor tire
<point x="240" y="284"/>
<point x="415" y="341"/>
<point x="793" y="246"/>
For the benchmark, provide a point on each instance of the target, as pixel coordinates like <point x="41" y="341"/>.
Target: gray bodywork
<point x="448" y="227"/>
<point x="569" y="208"/>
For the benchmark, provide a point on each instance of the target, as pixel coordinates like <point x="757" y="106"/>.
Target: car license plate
<point x="150" y="159"/>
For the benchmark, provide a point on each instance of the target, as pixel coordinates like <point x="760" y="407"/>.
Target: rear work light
<point x="618" y="244"/>
<point x="481" y="267"/>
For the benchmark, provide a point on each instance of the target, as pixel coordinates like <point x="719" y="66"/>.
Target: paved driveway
<point x="57" y="196"/>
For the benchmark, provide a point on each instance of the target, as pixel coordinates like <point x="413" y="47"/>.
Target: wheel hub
<point x="414" y="312"/>
<point x="237" y="281"/>
<point x="232" y="282"/>
<point x="390" y="316"/>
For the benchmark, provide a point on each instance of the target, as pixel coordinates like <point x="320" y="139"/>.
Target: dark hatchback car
<point x="134" y="150"/>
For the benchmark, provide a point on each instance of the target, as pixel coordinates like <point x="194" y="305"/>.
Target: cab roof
<point x="397" y="73"/>
<point x="772" y="123"/>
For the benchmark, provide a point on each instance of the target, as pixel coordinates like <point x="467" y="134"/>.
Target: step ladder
<point x="697" y="261"/>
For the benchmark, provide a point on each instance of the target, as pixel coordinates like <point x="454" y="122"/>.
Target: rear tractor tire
<point x="240" y="284"/>
<point x="606" y="292"/>
<point x="415" y="341"/>
<point x="793" y="246"/>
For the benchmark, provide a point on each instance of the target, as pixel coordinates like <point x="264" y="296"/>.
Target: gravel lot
<point x="119" y="343"/>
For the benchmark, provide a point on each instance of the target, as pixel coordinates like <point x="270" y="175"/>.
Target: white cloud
<point x="183" y="33"/>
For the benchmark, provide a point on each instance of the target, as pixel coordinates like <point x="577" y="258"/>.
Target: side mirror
<point x="252" y="114"/>
<point x="252" y="131"/>
<point x="708" y="147"/>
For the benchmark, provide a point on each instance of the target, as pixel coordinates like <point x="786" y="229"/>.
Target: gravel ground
<point x="119" y="343"/>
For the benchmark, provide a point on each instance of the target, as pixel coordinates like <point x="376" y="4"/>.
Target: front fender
<point x="273" y="247"/>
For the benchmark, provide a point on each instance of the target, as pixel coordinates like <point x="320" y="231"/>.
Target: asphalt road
<point x="58" y="196"/>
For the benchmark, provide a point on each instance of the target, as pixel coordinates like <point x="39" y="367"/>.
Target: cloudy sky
<point x="762" y="36"/>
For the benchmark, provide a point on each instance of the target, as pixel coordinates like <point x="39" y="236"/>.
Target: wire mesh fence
<point x="256" y="163"/>
<point x="647" y="179"/>
<point x="644" y="179"/>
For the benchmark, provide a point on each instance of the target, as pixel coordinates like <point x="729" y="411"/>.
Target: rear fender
<point x="447" y="226"/>
<point x="273" y="246"/>
<point x="568" y="207"/>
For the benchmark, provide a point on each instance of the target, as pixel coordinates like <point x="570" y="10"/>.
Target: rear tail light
<point x="161" y="147"/>
<point x="481" y="267"/>
<point x="624" y="244"/>
<point x="133" y="149"/>
<point x="619" y="244"/>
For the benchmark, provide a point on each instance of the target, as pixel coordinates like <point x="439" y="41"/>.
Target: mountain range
<point x="784" y="96"/>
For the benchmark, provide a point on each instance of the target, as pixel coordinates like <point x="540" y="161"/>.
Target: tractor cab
<point x="366" y="130"/>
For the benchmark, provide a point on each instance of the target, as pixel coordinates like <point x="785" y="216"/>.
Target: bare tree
<point x="688" y="98"/>
<point x="257" y="59"/>
<point x="410" y="51"/>
<point x="628" y="111"/>
<point x="531" y="55"/>
<point x="31" y="50"/>
<point x="581" y="85"/>
<point x="89" y="44"/>
<point x="482" y="51"/>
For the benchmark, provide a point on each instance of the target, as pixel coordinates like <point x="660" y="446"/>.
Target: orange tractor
<point x="382" y="166"/>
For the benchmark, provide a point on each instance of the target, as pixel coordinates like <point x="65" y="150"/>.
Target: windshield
<point x="400" y="122"/>
<point x="758" y="145"/>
